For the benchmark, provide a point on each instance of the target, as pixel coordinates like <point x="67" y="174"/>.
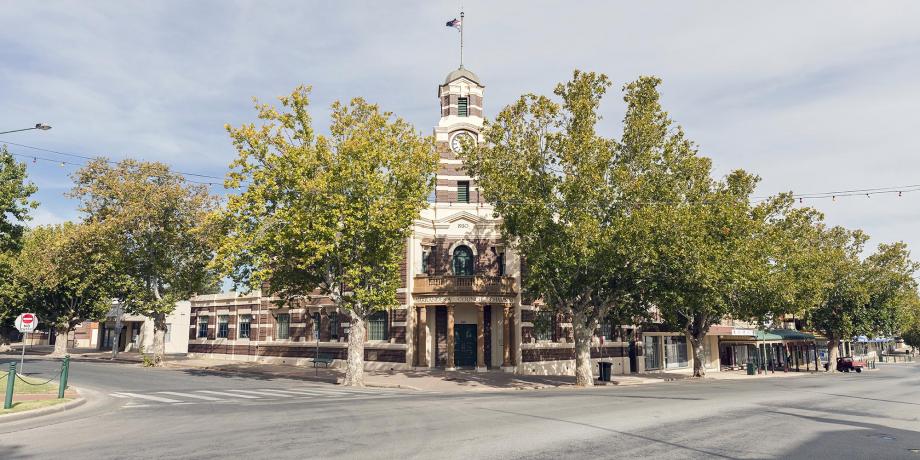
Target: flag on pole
<point x="454" y="23"/>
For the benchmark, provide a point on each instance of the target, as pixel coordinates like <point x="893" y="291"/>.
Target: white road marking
<point x="263" y="393"/>
<point x="287" y="392"/>
<point x="221" y="393"/>
<point x="150" y="398"/>
<point x="117" y="395"/>
<point x="189" y="395"/>
<point x="306" y="392"/>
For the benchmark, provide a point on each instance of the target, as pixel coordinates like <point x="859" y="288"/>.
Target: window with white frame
<point x="223" y="326"/>
<point x="283" y="330"/>
<point x="377" y="326"/>
<point x="244" y="328"/>
<point x="202" y="327"/>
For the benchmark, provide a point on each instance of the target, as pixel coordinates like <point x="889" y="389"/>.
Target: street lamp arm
<point x="40" y="126"/>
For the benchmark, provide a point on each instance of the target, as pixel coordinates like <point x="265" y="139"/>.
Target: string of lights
<point x="802" y="198"/>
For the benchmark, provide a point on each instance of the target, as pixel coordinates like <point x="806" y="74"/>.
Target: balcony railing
<point x="464" y="285"/>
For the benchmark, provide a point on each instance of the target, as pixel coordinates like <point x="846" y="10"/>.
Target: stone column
<point x="421" y="350"/>
<point x="506" y="337"/>
<point x="481" y="340"/>
<point x="450" y="366"/>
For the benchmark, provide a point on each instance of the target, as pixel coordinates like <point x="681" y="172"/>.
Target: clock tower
<point x="461" y="118"/>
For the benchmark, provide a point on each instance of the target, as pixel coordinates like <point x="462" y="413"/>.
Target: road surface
<point x="157" y="413"/>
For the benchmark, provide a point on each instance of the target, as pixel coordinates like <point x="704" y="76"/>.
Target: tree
<point x="841" y="312"/>
<point x="15" y="204"/>
<point x="712" y="259"/>
<point x="68" y="273"/>
<point x="910" y="330"/>
<point x="326" y="213"/>
<point x="566" y="198"/>
<point x="892" y="288"/>
<point x="709" y="247"/>
<point x="159" y="222"/>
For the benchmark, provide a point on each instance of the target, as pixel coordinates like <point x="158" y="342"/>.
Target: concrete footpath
<point x="427" y="380"/>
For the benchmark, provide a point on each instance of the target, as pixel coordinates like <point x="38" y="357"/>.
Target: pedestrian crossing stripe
<point x="255" y="394"/>
<point x="232" y="395"/>
<point x="189" y="395"/>
<point x="149" y="397"/>
<point x="263" y="392"/>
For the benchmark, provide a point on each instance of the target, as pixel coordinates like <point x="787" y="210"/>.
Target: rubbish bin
<point x="603" y="373"/>
<point x="750" y="369"/>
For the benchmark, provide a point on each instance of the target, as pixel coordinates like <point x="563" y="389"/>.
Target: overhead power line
<point x="62" y="163"/>
<point x="103" y="157"/>
<point x="900" y="190"/>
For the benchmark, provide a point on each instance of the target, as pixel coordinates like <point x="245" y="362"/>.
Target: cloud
<point x="812" y="96"/>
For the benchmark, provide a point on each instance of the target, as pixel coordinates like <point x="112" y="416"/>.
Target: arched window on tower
<point x="463" y="261"/>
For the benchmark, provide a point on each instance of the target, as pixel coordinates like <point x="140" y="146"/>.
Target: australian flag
<point x="454" y="23"/>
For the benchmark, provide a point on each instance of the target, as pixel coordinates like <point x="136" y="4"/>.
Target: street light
<point x="40" y="126"/>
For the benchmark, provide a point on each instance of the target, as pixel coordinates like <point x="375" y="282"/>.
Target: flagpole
<point x="461" y="38"/>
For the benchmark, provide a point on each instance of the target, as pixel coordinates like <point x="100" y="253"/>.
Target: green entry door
<point x="465" y="345"/>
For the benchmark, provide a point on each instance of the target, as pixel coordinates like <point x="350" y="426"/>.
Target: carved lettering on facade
<point x="477" y="299"/>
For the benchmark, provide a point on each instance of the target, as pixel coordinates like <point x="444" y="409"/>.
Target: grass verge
<point x="35" y="386"/>
<point x="29" y="405"/>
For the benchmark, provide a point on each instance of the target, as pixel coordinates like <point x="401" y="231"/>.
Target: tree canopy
<point x="159" y="222"/>
<point x="326" y="213"/>
<point x="567" y="198"/>
<point x="68" y="273"/>
<point x="15" y="204"/>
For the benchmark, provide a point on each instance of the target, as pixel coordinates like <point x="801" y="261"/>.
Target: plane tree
<point x="67" y="274"/>
<point x="567" y="197"/>
<point x="15" y="204"/>
<point x="325" y="214"/>
<point x="160" y="223"/>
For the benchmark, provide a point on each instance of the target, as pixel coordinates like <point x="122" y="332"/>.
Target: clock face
<point x="456" y="143"/>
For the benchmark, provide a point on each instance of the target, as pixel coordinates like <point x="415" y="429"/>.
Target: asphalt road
<point x="144" y="413"/>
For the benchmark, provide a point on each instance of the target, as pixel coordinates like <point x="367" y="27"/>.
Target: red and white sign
<point x="26" y="322"/>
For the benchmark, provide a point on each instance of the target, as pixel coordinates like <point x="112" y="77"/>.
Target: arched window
<point x="463" y="261"/>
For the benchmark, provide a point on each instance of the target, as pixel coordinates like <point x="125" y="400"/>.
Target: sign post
<point x="316" y="354"/>
<point x="26" y="322"/>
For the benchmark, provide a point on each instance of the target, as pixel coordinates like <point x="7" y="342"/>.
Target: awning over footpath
<point x="783" y="335"/>
<point x="864" y="339"/>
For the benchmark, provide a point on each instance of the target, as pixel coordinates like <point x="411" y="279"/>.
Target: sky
<point x="811" y="96"/>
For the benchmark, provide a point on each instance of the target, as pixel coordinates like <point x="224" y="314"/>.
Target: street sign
<point x="26" y="322"/>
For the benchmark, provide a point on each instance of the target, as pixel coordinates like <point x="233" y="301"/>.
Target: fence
<point x="11" y="378"/>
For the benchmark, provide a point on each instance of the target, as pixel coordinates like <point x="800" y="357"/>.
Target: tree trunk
<point x="583" y="333"/>
<point x="159" y="340"/>
<point x="354" y="365"/>
<point x="699" y="355"/>
<point x="60" y="342"/>
<point x="832" y="353"/>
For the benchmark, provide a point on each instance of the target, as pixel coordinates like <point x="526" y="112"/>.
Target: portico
<point x="464" y="332"/>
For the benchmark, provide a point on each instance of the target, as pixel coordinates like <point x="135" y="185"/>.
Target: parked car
<point x="847" y="363"/>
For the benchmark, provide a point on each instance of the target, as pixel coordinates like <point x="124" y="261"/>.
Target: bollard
<point x="10" y="380"/>
<point x="65" y="368"/>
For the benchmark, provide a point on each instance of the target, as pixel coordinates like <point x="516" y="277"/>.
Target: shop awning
<point x="864" y="339"/>
<point x="777" y="335"/>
